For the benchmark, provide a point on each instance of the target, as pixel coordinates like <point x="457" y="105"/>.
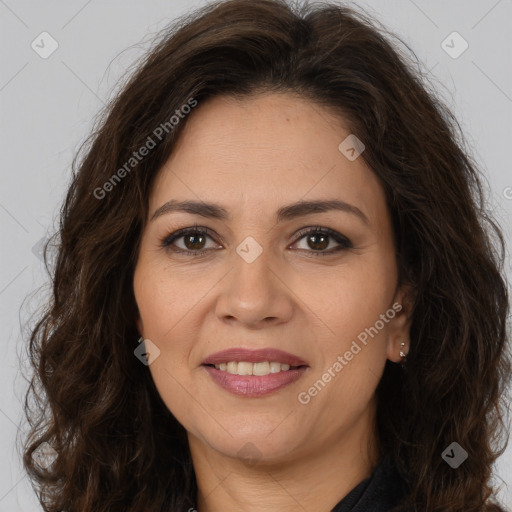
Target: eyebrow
<point x="289" y="212"/>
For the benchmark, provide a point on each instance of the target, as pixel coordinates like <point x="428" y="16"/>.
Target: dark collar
<point x="378" y="493"/>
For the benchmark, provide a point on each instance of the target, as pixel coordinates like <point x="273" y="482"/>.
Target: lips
<point x="254" y="356"/>
<point x="251" y="386"/>
<point x="292" y="369"/>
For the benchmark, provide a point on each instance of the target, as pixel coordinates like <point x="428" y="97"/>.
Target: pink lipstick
<point x="254" y="373"/>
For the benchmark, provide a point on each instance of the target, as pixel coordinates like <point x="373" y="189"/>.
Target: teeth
<point x="275" y="367"/>
<point x="246" y="368"/>
<point x="261" y="368"/>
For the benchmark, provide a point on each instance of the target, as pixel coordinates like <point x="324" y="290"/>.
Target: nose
<point x="255" y="294"/>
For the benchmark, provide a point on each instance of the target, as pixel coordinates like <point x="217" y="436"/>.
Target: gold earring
<point x="403" y="355"/>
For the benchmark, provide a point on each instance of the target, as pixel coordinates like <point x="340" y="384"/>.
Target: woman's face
<point x="263" y="283"/>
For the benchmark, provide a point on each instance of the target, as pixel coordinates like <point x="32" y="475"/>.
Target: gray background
<point x="48" y="106"/>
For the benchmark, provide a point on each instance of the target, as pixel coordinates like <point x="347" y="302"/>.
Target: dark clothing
<point x="378" y="493"/>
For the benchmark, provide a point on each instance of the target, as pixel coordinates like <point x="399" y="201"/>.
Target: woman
<point x="276" y="288"/>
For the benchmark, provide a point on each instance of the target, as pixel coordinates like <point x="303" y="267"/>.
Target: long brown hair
<point x="118" y="448"/>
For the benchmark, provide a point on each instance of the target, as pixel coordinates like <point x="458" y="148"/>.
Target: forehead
<point x="262" y="152"/>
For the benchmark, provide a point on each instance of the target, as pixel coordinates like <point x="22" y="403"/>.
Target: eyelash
<point x="166" y="242"/>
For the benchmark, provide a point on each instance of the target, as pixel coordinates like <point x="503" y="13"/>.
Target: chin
<point x="254" y="446"/>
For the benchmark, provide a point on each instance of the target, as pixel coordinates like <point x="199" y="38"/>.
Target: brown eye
<point x="318" y="239"/>
<point x="194" y="240"/>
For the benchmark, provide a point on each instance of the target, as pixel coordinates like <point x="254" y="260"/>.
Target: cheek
<point x="348" y="308"/>
<point x="163" y="297"/>
<point x="174" y="387"/>
<point x="348" y="299"/>
<point x="162" y="308"/>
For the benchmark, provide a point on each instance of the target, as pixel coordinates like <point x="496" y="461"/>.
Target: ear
<point x="140" y="326"/>
<point x="400" y="325"/>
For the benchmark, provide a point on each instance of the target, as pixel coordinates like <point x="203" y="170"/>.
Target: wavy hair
<point x="118" y="448"/>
